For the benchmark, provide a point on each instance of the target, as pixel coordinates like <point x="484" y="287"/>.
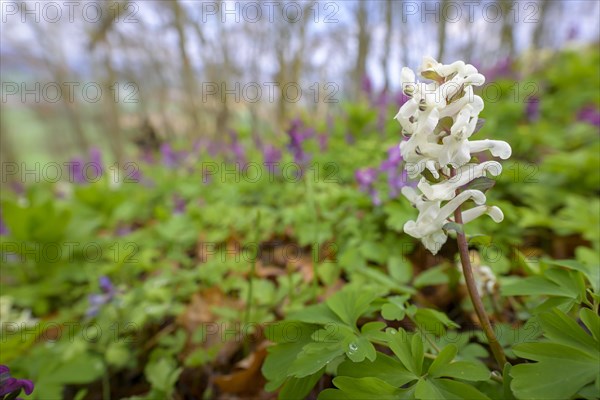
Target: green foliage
<point x="371" y="320"/>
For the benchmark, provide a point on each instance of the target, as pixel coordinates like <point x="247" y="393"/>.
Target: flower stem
<point x="475" y="298"/>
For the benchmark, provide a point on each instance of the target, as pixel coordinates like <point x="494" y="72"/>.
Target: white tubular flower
<point x="446" y="190"/>
<point x="429" y="224"/>
<point x="436" y="145"/>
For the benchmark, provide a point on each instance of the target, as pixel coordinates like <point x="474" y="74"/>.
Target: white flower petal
<point x="498" y="148"/>
<point x="446" y="190"/>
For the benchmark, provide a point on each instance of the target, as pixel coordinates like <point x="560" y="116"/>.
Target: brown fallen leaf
<point x="248" y="380"/>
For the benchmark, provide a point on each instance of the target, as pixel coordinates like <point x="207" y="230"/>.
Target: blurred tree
<point x="363" y="40"/>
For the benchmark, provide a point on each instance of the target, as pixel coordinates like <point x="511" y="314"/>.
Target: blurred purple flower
<point x="239" y="153"/>
<point x="393" y="161"/>
<point x="349" y="138"/>
<point x="3" y="228"/>
<point x="366" y="85"/>
<point x="503" y="68"/>
<point x="123" y="230"/>
<point x="178" y="204"/>
<point x="76" y="173"/>
<point x="573" y="33"/>
<point x="532" y="109"/>
<point x="589" y="114"/>
<point x="12" y="386"/>
<point x="271" y="154"/>
<point x="96" y="160"/>
<point x="18" y="188"/>
<point x="105" y="284"/>
<point x="298" y="133"/>
<point x="366" y="178"/>
<point x="147" y="157"/>
<point x="98" y="300"/>
<point x="169" y="157"/>
<point x="391" y="166"/>
<point x="401" y="98"/>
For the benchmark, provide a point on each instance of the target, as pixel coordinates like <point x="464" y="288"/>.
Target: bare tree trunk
<point x="189" y="81"/>
<point x="111" y="105"/>
<point x="363" y="40"/>
<point x="507" y="33"/>
<point x="403" y="38"/>
<point x="442" y="30"/>
<point x="387" y="45"/>
<point x="538" y="33"/>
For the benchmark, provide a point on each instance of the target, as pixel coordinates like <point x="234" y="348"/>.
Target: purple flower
<point x="76" y="174"/>
<point x="589" y="114"/>
<point x="271" y="154"/>
<point x="393" y="161"/>
<point x="391" y="166"/>
<point x="239" y="153"/>
<point x="3" y="228"/>
<point x="147" y="157"/>
<point x="396" y="181"/>
<point x="401" y="98"/>
<point x="366" y="178"/>
<point x="169" y="157"/>
<point x="96" y="159"/>
<point x="298" y="134"/>
<point x="502" y="68"/>
<point x="178" y="204"/>
<point x="106" y="285"/>
<point x="532" y="109"/>
<point x="13" y="386"/>
<point x="123" y="230"/>
<point x="98" y="300"/>
<point x="367" y="85"/>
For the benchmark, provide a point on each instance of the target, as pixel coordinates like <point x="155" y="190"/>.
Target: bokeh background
<point x="149" y="147"/>
<point x="160" y="66"/>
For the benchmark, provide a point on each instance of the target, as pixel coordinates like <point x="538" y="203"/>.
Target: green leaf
<point x="400" y="269"/>
<point x="433" y="321"/>
<point x="281" y="356"/>
<point x="560" y="373"/>
<point x="427" y="390"/>
<point x="592" y="321"/>
<point x="394" y="309"/>
<point x="453" y="390"/>
<point x="78" y="370"/>
<point x="401" y="344"/>
<point x="315" y="314"/>
<point x="299" y="388"/>
<point x="534" y="286"/>
<point x="383" y="367"/>
<point x="162" y="374"/>
<point x="561" y="329"/>
<point x="432" y="276"/>
<point x="592" y="273"/>
<point x="350" y="303"/>
<point x="314" y="357"/>
<point x="483" y="184"/>
<point x="442" y="359"/>
<point x="360" y="349"/>
<point x="465" y="370"/>
<point x="418" y="352"/>
<point x="360" y="389"/>
<point x="565" y="365"/>
<point x="480" y="240"/>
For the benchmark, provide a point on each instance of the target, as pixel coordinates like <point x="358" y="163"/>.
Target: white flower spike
<point x="438" y="145"/>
